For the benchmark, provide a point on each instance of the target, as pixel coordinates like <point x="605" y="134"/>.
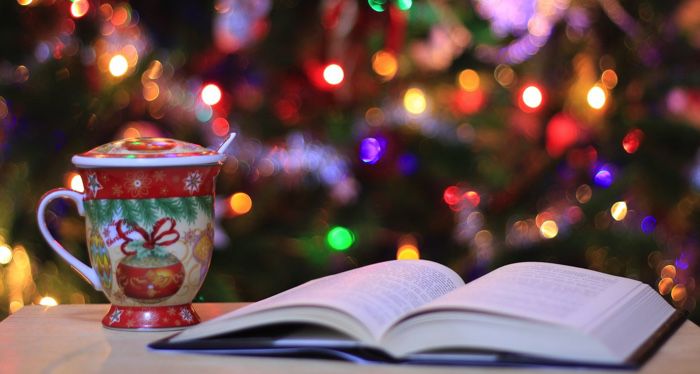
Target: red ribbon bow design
<point x="156" y="238"/>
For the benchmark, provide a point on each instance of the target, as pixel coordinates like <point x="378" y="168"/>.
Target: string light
<point x="414" y="101"/>
<point x="211" y="94"/>
<point x="241" y="203"/>
<point x="48" y="301"/>
<point x="118" y="65"/>
<point x="531" y="98"/>
<point x="339" y="238"/>
<point x="79" y="8"/>
<point x="384" y="64"/>
<point x="596" y="97"/>
<point x="333" y="74"/>
<point x="5" y="254"/>
<point x="618" y="211"/>
<point x="468" y="80"/>
<point x="549" y="229"/>
<point x="75" y="182"/>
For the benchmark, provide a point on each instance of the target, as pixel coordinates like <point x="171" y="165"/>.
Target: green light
<point x="404" y="4"/>
<point x="340" y="238"/>
<point x="377" y="5"/>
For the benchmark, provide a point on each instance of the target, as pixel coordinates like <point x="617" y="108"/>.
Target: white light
<point x="596" y="97"/>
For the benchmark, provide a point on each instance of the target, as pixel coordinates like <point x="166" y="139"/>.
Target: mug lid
<point x="145" y="152"/>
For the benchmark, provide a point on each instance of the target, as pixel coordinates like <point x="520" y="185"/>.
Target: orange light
<point x="407" y="252"/>
<point x="79" y="8"/>
<point x="384" y="64"/>
<point x="469" y="80"/>
<point x="211" y="94"/>
<point x="240" y="203"/>
<point x="333" y="74"/>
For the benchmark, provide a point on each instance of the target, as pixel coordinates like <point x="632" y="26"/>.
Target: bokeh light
<point x="151" y="90"/>
<point x="340" y="238"/>
<point x="472" y="197"/>
<point x="240" y="203"/>
<point x="384" y="63"/>
<point x="604" y="177"/>
<point x="414" y="101"/>
<point x="618" y="211"/>
<point x="404" y="4"/>
<point x="668" y="271"/>
<point x="451" y="195"/>
<point x="609" y="79"/>
<point x="75" y="182"/>
<point x="220" y="126"/>
<point x="377" y="5"/>
<point x="679" y="292"/>
<point x="665" y="286"/>
<point x="371" y="150"/>
<point x="118" y="65"/>
<point x="48" y="301"/>
<point x="584" y="193"/>
<point x="333" y="74"/>
<point x="468" y="80"/>
<point x="79" y="8"/>
<point x="596" y="97"/>
<point x="24" y="2"/>
<point x="531" y="97"/>
<point x="211" y="94"/>
<point x="5" y="254"/>
<point x="632" y="140"/>
<point x="648" y="224"/>
<point x="549" y="229"/>
<point x="407" y="252"/>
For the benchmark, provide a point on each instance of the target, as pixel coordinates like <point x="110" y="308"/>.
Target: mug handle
<point x="85" y="271"/>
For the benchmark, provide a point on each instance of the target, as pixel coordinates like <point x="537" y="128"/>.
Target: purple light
<point x="682" y="261"/>
<point x="603" y="177"/>
<point x="648" y="224"/>
<point x="371" y="150"/>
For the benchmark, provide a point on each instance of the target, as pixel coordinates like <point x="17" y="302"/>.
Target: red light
<point x="451" y="195"/>
<point x="562" y="133"/>
<point x="220" y="126"/>
<point x="472" y="197"/>
<point x="632" y="140"/>
<point x="333" y="74"/>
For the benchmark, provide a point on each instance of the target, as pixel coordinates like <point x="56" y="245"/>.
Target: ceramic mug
<point x="148" y="207"/>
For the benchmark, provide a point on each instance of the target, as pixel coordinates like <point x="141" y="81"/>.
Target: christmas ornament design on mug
<point x="148" y="207"/>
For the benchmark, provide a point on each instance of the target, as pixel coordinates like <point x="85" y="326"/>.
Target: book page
<point x="542" y="291"/>
<point x="377" y="295"/>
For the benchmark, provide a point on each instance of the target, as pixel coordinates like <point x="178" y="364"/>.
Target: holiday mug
<point x="148" y="205"/>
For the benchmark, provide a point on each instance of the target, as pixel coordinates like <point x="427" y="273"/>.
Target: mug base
<point x="150" y="318"/>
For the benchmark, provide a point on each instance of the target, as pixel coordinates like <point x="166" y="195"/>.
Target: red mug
<point x="149" y="210"/>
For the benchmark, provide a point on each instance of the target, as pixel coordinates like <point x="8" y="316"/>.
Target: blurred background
<point x="471" y="133"/>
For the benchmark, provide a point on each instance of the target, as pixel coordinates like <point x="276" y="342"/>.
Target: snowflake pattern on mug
<point x="138" y="184"/>
<point x="192" y="182"/>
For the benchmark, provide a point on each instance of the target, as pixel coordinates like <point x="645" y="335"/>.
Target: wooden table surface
<point x="70" y="339"/>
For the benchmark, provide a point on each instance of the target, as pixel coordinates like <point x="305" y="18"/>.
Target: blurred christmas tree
<point x="472" y="133"/>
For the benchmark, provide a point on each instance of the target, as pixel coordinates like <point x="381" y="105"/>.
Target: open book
<point x="421" y="311"/>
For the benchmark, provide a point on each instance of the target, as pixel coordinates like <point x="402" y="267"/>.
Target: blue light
<point x="603" y="177"/>
<point x="371" y="150"/>
<point x="648" y="224"/>
<point x="408" y="164"/>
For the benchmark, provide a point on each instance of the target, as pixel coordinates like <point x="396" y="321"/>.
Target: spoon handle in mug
<point x="85" y="271"/>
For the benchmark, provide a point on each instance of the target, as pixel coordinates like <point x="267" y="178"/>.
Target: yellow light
<point x="384" y="64"/>
<point x="118" y="65"/>
<point x="24" y="2"/>
<point x="211" y="94"/>
<point x="407" y="252"/>
<point x="5" y="254"/>
<point x="151" y="90"/>
<point x="16" y="305"/>
<point x="333" y="74"/>
<point x="596" y="97"/>
<point x="79" y="8"/>
<point x="76" y="183"/>
<point x="609" y="78"/>
<point x="414" y="101"/>
<point x="131" y="132"/>
<point x="619" y="210"/>
<point x="241" y="203"/>
<point x="549" y="229"/>
<point x="532" y="97"/>
<point x="48" y="301"/>
<point x="469" y="80"/>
